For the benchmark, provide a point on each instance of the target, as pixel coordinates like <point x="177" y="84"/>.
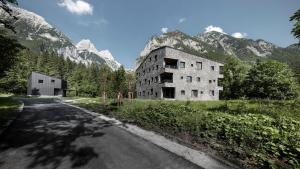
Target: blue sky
<point x="124" y="26"/>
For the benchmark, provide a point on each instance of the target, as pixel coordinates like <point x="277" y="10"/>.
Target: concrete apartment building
<point x="168" y="73"/>
<point x="40" y="84"/>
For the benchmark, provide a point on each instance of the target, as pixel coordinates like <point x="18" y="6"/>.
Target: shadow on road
<point x="47" y="133"/>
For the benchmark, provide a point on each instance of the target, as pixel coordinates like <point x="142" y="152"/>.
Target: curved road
<point x="51" y="135"/>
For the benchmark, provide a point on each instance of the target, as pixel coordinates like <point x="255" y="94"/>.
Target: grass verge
<point x="8" y="109"/>
<point x="258" y="133"/>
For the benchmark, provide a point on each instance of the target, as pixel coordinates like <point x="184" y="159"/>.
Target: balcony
<point x="166" y="77"/>
<point x="171" y="63"/>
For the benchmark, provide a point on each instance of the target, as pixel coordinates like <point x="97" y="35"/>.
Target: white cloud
<point x="95" y="22"/>
<point x="239" y="35"/>
<point x="181" y="20"/>
<point x="78" y="7"/>
<point x="164" y="30"/>
<point x="214" y="28"/>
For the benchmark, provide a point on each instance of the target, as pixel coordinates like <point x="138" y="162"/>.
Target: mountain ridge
<point x="34" y="32"/>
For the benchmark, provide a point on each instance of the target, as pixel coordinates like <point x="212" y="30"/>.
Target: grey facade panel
<point x="39" y="84"/>
<point x="173" y="69"/>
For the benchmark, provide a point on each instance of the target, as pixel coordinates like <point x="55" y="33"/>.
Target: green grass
<point x="8" y="109"/>
<point x="259" y="133"/>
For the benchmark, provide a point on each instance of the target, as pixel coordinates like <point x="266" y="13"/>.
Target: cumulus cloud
<point x="78" y="7"/>
<point x="214" y="28"/>
<point x="239" y="35"/>
<point x="181" y="20"/>
<point x="164" y="30"/>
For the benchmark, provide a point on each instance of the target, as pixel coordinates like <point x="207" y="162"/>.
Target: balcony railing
<point x="167" y="81"/>
<point x="171" y="66"/>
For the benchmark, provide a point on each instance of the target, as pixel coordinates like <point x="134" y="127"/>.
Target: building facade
<point x="40" y="84"/>
<point x="168" y="73"/>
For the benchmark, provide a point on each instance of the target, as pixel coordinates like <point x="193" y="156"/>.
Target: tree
<point x="9" y="51"/>
<point x="296" y="28"/>
<point x="271" y="79"/>
<point x="119" y="84"/>
<point x="234" y="72"/>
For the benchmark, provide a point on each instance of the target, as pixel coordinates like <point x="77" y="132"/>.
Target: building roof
<point x="162" y="47"/>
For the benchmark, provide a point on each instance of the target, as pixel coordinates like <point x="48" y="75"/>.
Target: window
<point x="151" y="79"/>
<point x="156" y="79"/>
<point x="156" y="67"/>
<point x="214" y="81"/>
<point x="212" y="92"/>
<point x="198" y="79"/>
<point x="182" y="64"/>
<point x="143" y="93"/>
<point x="148" y="93"/>
<point x="145" y="81"/>
<point x="199" y="65"/>
<point x="182" y="92"/>
<point x="140" y="93"/>
<point x="192" y="65"/>
<point x="156" y="94"/>
<point x="155" y="57"/>
<point x="151" y="91"/>
<point x="52" y="81"/>
<point x="194" y="93"/>
<point x="181" y="77"/>
<point x="41" y="81"/>
<point x="201" y="92"/>
<point x="150" y="59"/>
<point x="209" y="81"/>
<point x="149" y="82"/>
<point x="140" y="83"/>
<point x="189" y="79"/>
<point x="153" y="68"/>
<point x="212" y="68"/>
<point x="149" y="70"/>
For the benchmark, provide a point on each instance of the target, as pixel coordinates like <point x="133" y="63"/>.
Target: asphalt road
<point x="50" y="135"/>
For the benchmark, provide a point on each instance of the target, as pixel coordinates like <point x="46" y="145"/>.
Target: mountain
<point x="34" y="32"/>
<point x="218" y="46"/>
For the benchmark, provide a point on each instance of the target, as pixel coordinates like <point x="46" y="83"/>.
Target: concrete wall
<point x="206" y="74"/>
<point x="45" y="88"/>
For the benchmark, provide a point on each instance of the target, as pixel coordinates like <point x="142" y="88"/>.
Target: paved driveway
<point x="50" y="135"/>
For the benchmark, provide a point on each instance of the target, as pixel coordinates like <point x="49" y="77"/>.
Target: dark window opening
<point x="192" y="65"/>
<point x="198" y="79"/>
<point x="199" y="65"/>
<point x="209" y="81"/>
<point x="166" y="77"/>
<point x="212" y="67"/>
<point x="151" y="91"/>
<point x="194" y="93"/>
<point x="212" y="92"/>
<point x="182" y="64"/>
<point x="182" y="92"/>
<point x="171" y="63"/>
<point x="156" y="79"/>
<point x="181" y="77"/>
<point x="41" y="81"/>
<point x="156" y="67"/>
<point x="201" y="92"/>
<point x="189" y="79"/>
<point x="52" y="81"/>
<point x="168" y="92"/>
<point x="144" y="93"/>
<point x="156" y="94"/>
<point x="155" y="57"/>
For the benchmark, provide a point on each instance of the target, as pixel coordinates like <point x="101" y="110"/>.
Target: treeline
<point x="18" y="62"/>
<point x="260" y="80"/>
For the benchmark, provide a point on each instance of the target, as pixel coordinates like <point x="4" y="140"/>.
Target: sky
<point x="125" y="26"/>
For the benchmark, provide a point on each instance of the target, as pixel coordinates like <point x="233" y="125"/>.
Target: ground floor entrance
<point x="168" y="92"/>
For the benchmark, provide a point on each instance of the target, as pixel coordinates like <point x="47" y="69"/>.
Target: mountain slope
<point x="217" y="46"/>
<point x="34" y="32"/>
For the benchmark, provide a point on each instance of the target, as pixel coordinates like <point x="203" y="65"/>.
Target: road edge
<point x="195" y="156"/>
